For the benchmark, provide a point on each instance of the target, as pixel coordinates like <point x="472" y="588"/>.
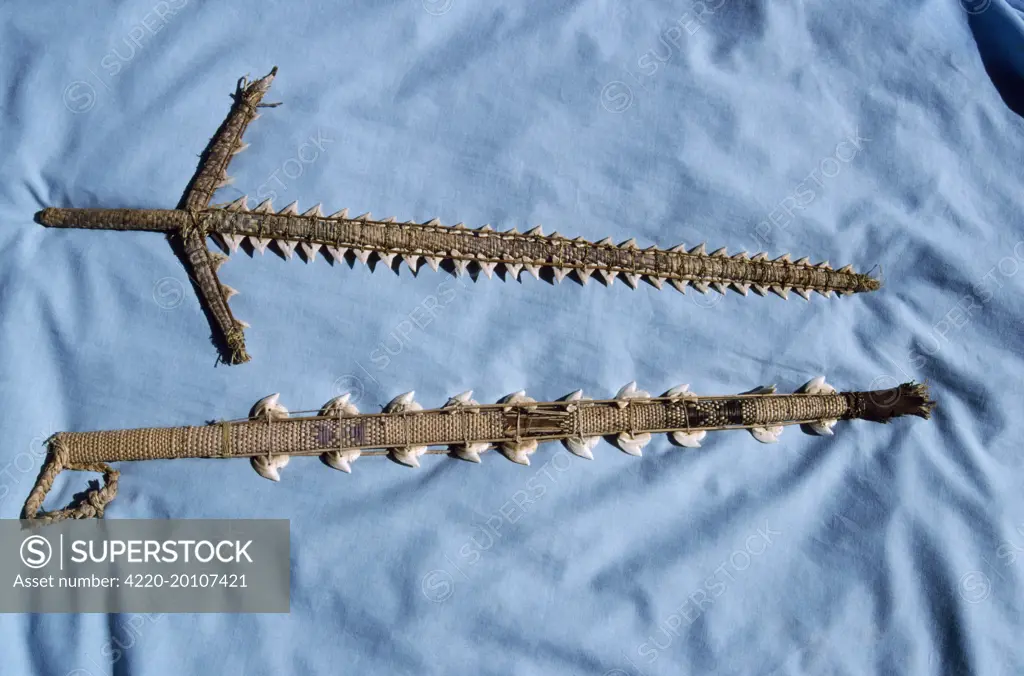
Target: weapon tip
<point x="48" y="217"/>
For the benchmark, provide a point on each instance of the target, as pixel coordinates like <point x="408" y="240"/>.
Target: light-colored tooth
<point x="629" y="244"/>
<point x="764" y="389"/>
<point x="816" y="385"/>
<point x="679" y="391"/>
<point x="846" y="269"/>
<point x="433" y="261"/>
<point x="630" y="391"/>
<point x="844" y="292"/>
<point x="459" y="226"/>
<point x="537" y="231"/>
<point x="767" y="435"/>
<point x="719" y="287"/>
<point x="228" y="291"/>
<point x="314" y="212"/>
<point x="259" y="243"/>
<point x="781" y="291"/>
<point x="269" y="407"/>
<point x="511" y="231"/>
<point x="264" y="207"/>
<point x="519" y="453"/>
<point x="581" y="446"/>
<point x="803" y="261"/>
<point x="824" y="265"/>
<point x="513" y="269"/>
<point x="389" y="219"/>
<point x="678" y="284"/>
<point x="240" y="204"/>
<point x="232" y="241"/>
<point x="225" y="182"/>
<point x="362" y="255"/>
<point x="342" y="460"/>
<point x="583" y="274"/>
<point x="291" y="209"/>
<point x="337" y="253"/>
<point x="533" y="270"/>
<point x="803" y="293"/>
<point x="823" y="428"/>
<point x="607" y="276"/>
<point x="460" y="265"/>
<point x="217" y="259"/>
<point x="759" y="289"/>
<point x="433" y="222"/>
<point x="365" y="217"/>
<point x="309" y="251"/>
<point x="607" y="241"/>
<point x="269" y="467"/>
<point x="678" y="248"/>
<point x="827" y="293"/>
<point x="518" y="397"/>
<point x="760" y="257"/>
<point x="689" y="439"/>
<point x="719" y="253"/>
<point x="461" y="399"/>
<point x="408" y="455"/>
<point x="699" y="250"/>
<point x="656" y="282"/>
<point x="470" y="452"/>
<point x="555" y="235"/>
<point x="287" y="247"/>
<point x="784" y="258"/>
<point x="339" y="406"/>
<point x="242" y="324"/>
<point x="412" y="260"/>
<point x="240" y="148"/>
<point x="741" y="288"/>
<point x="633" y="444"/>
<point x="387" y="258"/>
<point x="485" y="228"/>
<point x="343" y="214"/>
<point x="700" y="286"/>
<point x="487" y="268"/>
<point x="632" y="280"/>
<point x="741" y="256"/>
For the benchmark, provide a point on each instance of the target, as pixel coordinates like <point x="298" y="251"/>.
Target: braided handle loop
<point x="90" y="505"/>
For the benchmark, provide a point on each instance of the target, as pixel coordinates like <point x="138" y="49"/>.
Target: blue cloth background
<point x="895" y="128"/>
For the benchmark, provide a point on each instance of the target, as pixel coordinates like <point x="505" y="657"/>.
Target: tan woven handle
<point x="88" y="505"/>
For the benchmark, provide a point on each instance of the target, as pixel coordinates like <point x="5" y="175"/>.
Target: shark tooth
<point x="459" y="226"/>
<point x="389" y="219"/>
<point x="533" y="270"/>
<point x="217" y="259"/>
<point x="632" y="280"/>
<point x="513" y="269"/>
<point x="337" y="252"/>
<point x="232" y="242"/>
<point x="313" y="212"/>
<point x="803" y="293"/>
<point x="633" y="444"/>
<point x="338" y="407"/>
<point x="511" y="231"/>
<point x="519" y="453"/>
<point x="433" y="261"/>
<point x="291" y="209"/>
<point x="487" y="268"/>
<point x="823" y="428"/>
<point x="286" y="246"/>
<point x="719" y="287"/>
<point x="700" y="286"/>
<point x="741" y="287"/>
<point x="240" y="204"/>
<point x="362" y="255"/>
<point x="412" y="260"/>
<point x="240" y="148"/>
<point x="259" y="243"/>
<point x="629" y="391"/>
<point x="269" y="467"/>
<point x="803" y="261"/>
<point x="309" y="251"/>
<point x="678" y="284"/>
<point x="656" y="282"/>
<point x="767" y="435"/>
<point x="407" y="455"/>
<point x="485" y="228"/>
<point x="581" y="446"/>
<point x="678" y="248"/>
<point x="518" y="397"/>
<point x="386" y="258"/>
<point x="242" y="324"/>
<point x="824" y="265"/>
<point x="816" y="385"/>
<point x="607" y="241"/>
<point x="433" y="222"/>
<point x="827" y="293"/>
<point x="343" y="214"/>
<point x="536" y="231"/>
<point x="781" y="291"/>
<point x="606" y="276"/>
<point x="762" y="256"/>
<point x="699" y="250"/>
<point x="264" y="207"/>
<point x="759" y="289"/>
<point x="365" y="217"/>
<point x="460" y="265"/>
<point x="741" y="256"/>
<point x="846" y="269"/>
<point x="689" y="439"/>
<point x="269" y="407"/>
<point x="719" y="253"/>
<point x="629" y="244"/>
<point x="470" y="452"/>
<point x="784" y="258"/>
<point x="225" y="182"/>
<point x="583" y="274"/>
<point x="228" y="291"/>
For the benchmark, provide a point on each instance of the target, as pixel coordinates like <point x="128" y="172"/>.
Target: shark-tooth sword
<point x="337" y="235"/>
<point x="461" y="428"/>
